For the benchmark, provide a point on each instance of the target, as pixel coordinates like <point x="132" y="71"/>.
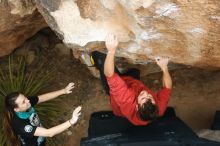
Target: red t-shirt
<point x="123" y="97"/>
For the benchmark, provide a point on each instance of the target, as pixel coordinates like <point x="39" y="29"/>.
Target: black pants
<point x="99" y="59"/>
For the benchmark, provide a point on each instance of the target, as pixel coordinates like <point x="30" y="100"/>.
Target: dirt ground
<point x="195" y="95"/>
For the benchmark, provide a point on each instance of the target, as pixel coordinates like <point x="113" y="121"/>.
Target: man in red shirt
<point x="129" y="97"/>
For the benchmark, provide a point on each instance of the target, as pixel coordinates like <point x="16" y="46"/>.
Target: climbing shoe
<point x="98" y="59"/>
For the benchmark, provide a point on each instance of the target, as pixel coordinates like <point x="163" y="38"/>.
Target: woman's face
<point x="23" y="103"/>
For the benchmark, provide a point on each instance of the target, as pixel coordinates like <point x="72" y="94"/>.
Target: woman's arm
<point x="40" y="131"/>
<point x="54" y="94"/>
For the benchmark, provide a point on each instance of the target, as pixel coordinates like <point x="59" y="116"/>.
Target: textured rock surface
<point x="210" y="134"/>
<point x="19" y="20"/>
<point x="185" y="30"/>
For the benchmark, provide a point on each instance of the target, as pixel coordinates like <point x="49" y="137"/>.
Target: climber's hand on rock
<point x="162" y="62"/>
<point x="111" y="43"/>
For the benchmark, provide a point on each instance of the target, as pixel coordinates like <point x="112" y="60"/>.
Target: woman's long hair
<point x="8" y="115"/>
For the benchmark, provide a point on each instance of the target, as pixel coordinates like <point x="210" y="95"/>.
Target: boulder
<point x="187" y="31"/>
<point x="19" y="20"/>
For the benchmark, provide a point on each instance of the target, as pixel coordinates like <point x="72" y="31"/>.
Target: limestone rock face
<point x="187" y="31"/>
<point x="209" y="134"/>
<point x="19" y="20"/>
